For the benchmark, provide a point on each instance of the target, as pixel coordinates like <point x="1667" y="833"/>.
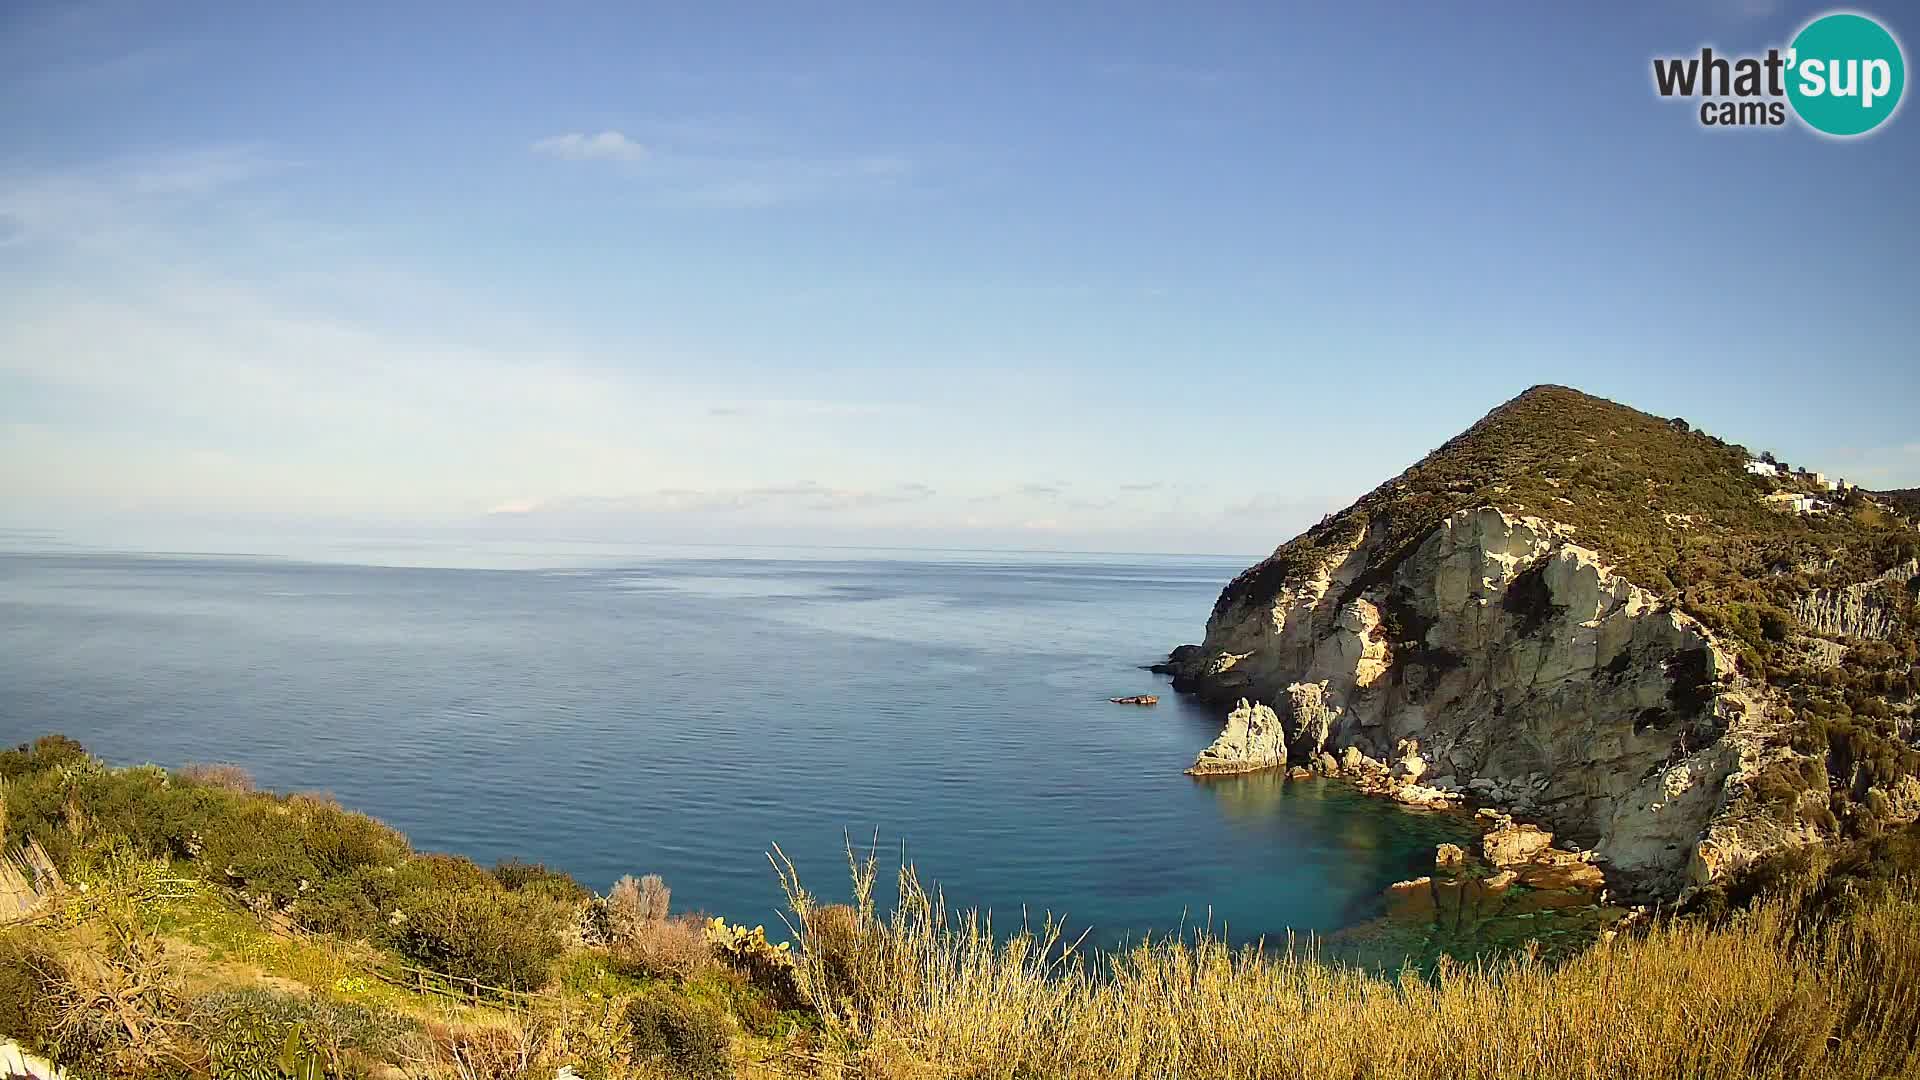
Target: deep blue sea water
<point x="677" y="712"/>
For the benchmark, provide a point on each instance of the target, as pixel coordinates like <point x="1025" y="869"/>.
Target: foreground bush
<point x="497" y="937"/>
<point x="679" y="1036"/>
<point x="105" y="1003"/>
<point x="257" y="1032"/>
<point x="275" y="849"/>
<point x="27" y="971"/>
<point x="1771" y="993"/>
<point x="669" y="948"/>
<point x="330" y="870"/>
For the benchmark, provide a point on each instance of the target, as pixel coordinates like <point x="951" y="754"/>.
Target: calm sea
<point x="677" y="712"/>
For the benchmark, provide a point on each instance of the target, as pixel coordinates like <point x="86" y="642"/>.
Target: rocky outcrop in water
<point x="1253" y="739"/>
<point x="1517" y="890"/>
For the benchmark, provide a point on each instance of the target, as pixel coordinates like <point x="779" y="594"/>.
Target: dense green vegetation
<point x="1674" y="510"/>
<point x="328" y="869"/>
<point x="1905" y="500"/>
<point x="257" y="890"/>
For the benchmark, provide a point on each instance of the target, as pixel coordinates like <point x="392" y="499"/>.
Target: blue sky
<point x="1081" y="276"/>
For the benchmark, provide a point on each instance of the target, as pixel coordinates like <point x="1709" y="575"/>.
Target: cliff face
<point x="1499" y="655"/>
<point x="1539" y="676"/>
<point x="1862" y="610"/>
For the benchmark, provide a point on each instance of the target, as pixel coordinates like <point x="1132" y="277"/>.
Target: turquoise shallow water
<point x="680" y="711"/>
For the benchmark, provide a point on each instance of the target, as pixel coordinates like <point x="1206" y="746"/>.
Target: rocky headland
<point x="1595" y="620"/>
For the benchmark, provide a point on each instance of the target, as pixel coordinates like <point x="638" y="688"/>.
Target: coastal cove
<point x="615" y="712"/>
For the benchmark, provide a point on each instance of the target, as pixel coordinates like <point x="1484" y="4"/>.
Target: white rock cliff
<point x="1525" y="671"/>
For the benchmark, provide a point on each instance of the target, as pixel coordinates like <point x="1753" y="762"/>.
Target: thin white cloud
<point x="806" y="496"/>
<point x="176" y="345"/>
<point x="580" y="146"/>
<point x="110" y="201"/>
<point x="198" y="172"/>
<point x="690" y="166"/>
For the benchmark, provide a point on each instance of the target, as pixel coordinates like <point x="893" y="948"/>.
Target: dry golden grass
<point x="1771" y="994"/>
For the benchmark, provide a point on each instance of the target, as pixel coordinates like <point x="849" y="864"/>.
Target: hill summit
<point x="1669" y="648"/>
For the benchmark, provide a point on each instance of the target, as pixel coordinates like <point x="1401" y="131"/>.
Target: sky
<point x="1074" y="276"/>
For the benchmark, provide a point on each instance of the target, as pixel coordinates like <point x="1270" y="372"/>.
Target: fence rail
<point x="405" y="976"/>
<point x="440" y="984"/>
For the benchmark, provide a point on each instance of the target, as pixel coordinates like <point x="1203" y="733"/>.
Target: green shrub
<point x="340" y="841"/>
<point x="496" y="936"/>
<point x="43" y="754"/>
<point x="257" y="1032"/>
<point x="346" y="905"/>
<point x="681" y="1036"/>
<point x="259" y="849"/>
<point x="522" y="876"/>
<point x="437" y="871"/>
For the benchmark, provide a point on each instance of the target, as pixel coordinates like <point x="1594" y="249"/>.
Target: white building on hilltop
<point x="1761" y="468"/>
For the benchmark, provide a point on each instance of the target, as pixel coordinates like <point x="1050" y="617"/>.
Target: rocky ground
<point x="1517" y="887"/>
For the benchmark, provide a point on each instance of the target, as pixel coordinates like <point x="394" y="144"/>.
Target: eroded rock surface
<point x="1502" y="659"/>
<point x="1863" y="610"/>
<point x="1253" y="739"/>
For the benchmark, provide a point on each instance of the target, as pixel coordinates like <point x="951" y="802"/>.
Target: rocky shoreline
<point x="1254" y="738"/>
<point x="1518" y="889"/>
<point x="1517" y="873"/>
<point x="1496" y="664"/>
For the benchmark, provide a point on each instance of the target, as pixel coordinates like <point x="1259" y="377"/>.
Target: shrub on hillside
<point x="668" y="948"/>
<point x="769" y="967"/>
<point x="437" y="871"/>
<point x="493" y="935"/>
<point x="78" y="802"/>
<point x="833" y="943"/>
<point x="247" y="1032"/>
<point x="258" y="849"/>
<point x="43" y="754"/>
<point x="340" y="841"/>
<point x="635" y="903"/>
<point x="521" y="876"/>
<point x="344" y="905"/>
<point x="678" y="1035"/>
<point x="225" y="777"/>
